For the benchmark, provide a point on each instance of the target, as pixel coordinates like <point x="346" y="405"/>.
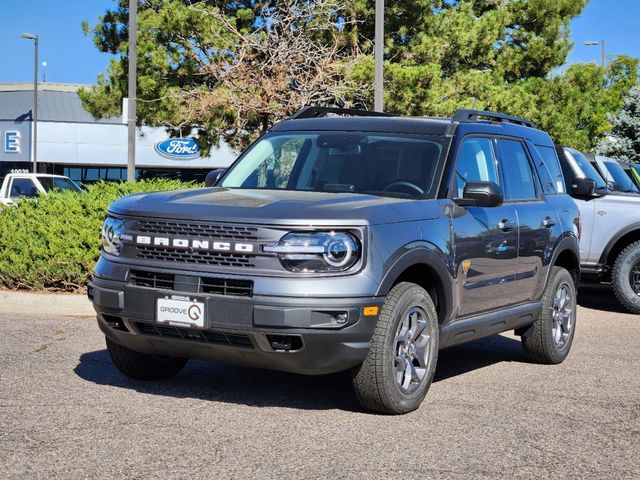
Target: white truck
<point x="20" y="183"/>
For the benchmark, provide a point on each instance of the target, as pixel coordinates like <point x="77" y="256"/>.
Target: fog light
<point x="342" y="318"/>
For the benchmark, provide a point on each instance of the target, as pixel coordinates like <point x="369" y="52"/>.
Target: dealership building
<point x="73" y="143"/>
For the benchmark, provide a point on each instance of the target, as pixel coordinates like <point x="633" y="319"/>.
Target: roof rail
<point x="466" y="116"/>
<point x="315" y="112"/>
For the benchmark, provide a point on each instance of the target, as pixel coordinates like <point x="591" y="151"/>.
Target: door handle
<point x="506" y="225"/>
<point x="548" y="222"/>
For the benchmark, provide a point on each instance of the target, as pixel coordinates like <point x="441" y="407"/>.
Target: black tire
<point x="142" y="366"/>
<point x="377" y="380"/>
<point x="550" y="337"/>
<point x="621" y="277"/>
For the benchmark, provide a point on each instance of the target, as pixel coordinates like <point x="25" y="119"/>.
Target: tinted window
<point x="57" y="183"/>
<point x="359" y="162"/>
<point x="23" y="187"/>
<point x="476" y="162"/>
<point x="619" y="176"/>
<point x="588" y="170"/>
<point x="519" y="183"/>
<point x="552" y="165"/>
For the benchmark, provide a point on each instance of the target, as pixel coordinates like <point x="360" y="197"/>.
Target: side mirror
<point x="583" y="187"/>
<point x="213" y="176"/>
<point x="481" y="194"/>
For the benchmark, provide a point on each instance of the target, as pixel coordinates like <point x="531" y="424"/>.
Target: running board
<point x="486" y="324"/>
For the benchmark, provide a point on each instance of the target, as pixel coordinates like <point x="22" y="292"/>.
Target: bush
<point x="53" y="242"/>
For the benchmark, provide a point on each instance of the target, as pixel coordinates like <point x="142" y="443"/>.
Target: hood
<point x="275" y="207"/>
<point x="620" y="198"/>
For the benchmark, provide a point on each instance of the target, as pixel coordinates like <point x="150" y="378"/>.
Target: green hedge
<point x="53" y="242"/>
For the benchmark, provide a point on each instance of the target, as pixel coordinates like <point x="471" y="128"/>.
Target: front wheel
<point x="549" y="339"/>
<point x="397" y="373"/>
<point x="142" y="366"/>
<point x="625" y="277"/>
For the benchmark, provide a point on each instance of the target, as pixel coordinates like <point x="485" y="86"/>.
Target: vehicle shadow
<point x="599" y="296"/>
<point x="266" y="388"/>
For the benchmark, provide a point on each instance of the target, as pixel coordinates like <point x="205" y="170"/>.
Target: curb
<point x="28" y="303"/>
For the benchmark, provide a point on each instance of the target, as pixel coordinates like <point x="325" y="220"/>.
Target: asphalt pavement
<point x="65" y="412"/>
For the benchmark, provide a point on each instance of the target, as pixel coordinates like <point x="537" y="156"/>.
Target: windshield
<point x="58" y="183"/>
<point x="618" y="175"/>
<point x="369" y="163"/>
<point x="588" y="170"/>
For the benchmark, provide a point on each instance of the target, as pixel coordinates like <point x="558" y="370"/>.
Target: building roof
<point x="56" y="103"/>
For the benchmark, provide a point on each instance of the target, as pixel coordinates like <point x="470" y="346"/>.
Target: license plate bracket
<point x="180" y="311"/>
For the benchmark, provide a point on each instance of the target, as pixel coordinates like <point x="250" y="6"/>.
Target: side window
<point x="476" y="162"/>
<point x="519" y="183"/>
<point x="552" y="166"/>
<point x="23" y="187"/>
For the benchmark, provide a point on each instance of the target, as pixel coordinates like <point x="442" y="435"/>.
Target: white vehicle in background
<point x="21" y="184"/>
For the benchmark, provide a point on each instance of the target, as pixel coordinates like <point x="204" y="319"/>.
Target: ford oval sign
<point x="178" y="148"/>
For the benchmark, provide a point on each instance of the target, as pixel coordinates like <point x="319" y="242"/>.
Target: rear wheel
<point x="549" y="339"/>
<point x="625" y="277"/>
<point x="142" y="366"/>
<point x="397" y="373"/>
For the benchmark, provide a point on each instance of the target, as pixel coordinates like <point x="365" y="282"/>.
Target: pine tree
<point x="624" y="141"/>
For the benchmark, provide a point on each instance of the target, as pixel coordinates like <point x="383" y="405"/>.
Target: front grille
<point x="204" y="336"/>
<point x="225" y="286"/>
<point x="165" y="281"/>
<point x="198" y="257"/>
<point x="195" y="229"/>
<point x="211" y="285"/>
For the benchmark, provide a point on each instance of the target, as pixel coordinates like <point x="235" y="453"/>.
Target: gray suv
<point x="363" y="242"/>
<point x="610" y="245"/>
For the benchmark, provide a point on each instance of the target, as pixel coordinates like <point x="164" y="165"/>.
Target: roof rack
<point x="466" y="116"/>
<point x="316" y="112"/>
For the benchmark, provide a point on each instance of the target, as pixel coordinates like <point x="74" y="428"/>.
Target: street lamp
<point x="593" y="43"/>
<point x="44" y="72"/>
<point x="34" y="116"/>
<point x="131" y="104"/>
<point x="378" y="77"/>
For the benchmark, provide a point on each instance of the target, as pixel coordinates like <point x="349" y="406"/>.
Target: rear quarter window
<point x="549" y="170"/>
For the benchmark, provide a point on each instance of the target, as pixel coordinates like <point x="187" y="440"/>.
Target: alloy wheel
<point x="562" y="315"/>
<point x="412" y="350"/>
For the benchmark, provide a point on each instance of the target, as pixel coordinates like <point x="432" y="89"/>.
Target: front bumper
<point x="293" y="334"/>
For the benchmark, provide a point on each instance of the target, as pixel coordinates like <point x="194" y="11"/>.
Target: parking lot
<point x="66" y="413"/>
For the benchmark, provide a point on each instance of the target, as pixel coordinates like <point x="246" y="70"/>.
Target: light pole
<point x="378" y="81"/>
<point x="44" y="72"/>
<point x="131" y="104"/>
<point x="593" y="43"/>
<point x="34" y="116"/>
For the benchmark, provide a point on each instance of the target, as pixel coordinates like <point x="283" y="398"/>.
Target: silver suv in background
<point x="615" y="176"/>
<point x="610" y="241"/>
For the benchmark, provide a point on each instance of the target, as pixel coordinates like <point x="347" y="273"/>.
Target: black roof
<point x="424" y="126"/>
<point x="464" y="122"/>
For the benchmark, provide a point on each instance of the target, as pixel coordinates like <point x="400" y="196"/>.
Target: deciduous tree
<point x="624" y="139"/>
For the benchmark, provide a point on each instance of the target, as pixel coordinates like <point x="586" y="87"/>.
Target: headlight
<point x="317" y="252"/>
<point x="112" y="233"/>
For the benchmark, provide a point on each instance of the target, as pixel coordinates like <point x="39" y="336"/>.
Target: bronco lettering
<point x="194" y="244"/>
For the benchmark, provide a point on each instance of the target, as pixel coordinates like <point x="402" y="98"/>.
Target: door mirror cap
<point x="481" y="194"/>
<point x="213" y="176"/>
<point x="584" y="187"/>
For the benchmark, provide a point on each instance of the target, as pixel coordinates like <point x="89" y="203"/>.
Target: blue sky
<point x="72" y="57"/>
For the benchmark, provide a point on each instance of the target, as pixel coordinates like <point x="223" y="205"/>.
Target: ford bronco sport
<point x="362" y="243"/>
<point x="610" y="244"/>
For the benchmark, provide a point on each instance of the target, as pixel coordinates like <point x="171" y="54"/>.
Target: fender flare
<point x="435" y="260"/>
<point x="621" y="233"/>
<point x="569" y="243"/>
